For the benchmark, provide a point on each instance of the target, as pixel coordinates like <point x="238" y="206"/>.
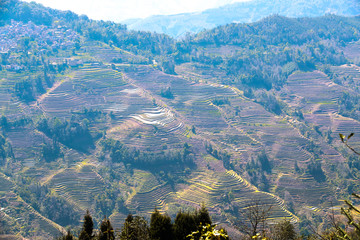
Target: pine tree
<point x="88" y="227"/>
<point x="202" y="216"/>
<point x="160" y="227"/>
<point x="184" y="225"/>
<point x="106" y="230"/>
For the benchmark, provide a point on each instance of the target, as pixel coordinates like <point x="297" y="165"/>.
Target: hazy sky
<point x="117" y="10"/>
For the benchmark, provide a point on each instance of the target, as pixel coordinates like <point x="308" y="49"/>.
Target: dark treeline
<point x="70" y="133"/>
<point x="7" y="124"/>
<point x="197" y="225"/>
<point x="35" y="85"/>
<point x="283" y="30"/>
<point x="258" y="169"/>
<point x="218" y="154"/>
<point x="194" y="225"/>
<point x="118" y="152"/>
<point x="5" y="150"/>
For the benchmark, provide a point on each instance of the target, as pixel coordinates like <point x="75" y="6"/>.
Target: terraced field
<point x="9" y="105"/>
<point x="20" y="215"/>
<point x="304" y="189"/>
<point x="147" y="201"/>
<point x="155" y="116"/>
<point x="26" y="144"/>
<point x="88" y="87"/>
<point x="279" y="137"/>
<point x="210" y="188"/>
<point x="71" y="184"/>
<point x="315" y="87"/>
<point x="15" y="209"/>
<point x="352" y="51"/>
<point x="100" y="51"/>
<point x="190" y="99"/>
<point x="137" y="113"/>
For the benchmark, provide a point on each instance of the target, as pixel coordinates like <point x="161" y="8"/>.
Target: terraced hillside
<point x="142" y="118"/>
<point x="71" y="182"/>
<point x="209" y="188"/>
<point x="119" y="122"/>
<point x="20" y="217"/>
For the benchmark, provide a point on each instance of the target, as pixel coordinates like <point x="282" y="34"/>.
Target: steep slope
<point x="252" y="115"/>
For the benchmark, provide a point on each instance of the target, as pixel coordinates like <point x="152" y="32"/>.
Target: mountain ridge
<point x="241" y="12"/>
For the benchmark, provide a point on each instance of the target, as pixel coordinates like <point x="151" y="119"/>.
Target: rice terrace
<point x="125" y="126"/>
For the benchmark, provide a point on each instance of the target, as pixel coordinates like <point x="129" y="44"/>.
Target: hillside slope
<point x="242" y="12"/>
<point x="98" y="117"/>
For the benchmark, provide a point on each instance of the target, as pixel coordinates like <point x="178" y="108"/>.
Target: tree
<point x="345" y="140"/>
<point x="106" y="230"/>
<point x="4" y="123"/>
<point x="202" y="216"/>
<point x="135" y="228"/>
<point x="342" y="233"/>
<point x="160" y="226"/>
<point x="184" y="224"/>
<point x="88" y="227"/>
<point x="255" y="217"/>
<point x="208" y="232"/>
<point x="67" y="236"/>
<point x="283" y="230"/>
<point x="352" y="222"/>
<point x="167" y="93"/>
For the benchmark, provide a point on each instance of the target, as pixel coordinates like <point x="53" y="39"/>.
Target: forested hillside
<point x="242" y="12"/>
<point x="101" y="118"/>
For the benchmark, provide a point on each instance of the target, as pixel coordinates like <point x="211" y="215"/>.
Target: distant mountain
<point x="242" y="12"/>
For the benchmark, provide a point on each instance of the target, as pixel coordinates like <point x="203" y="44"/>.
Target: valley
<point x="123" y="126"/>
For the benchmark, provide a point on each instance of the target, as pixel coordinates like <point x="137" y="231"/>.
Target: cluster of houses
<point x="59" y="36"/>
<point x="12" y="35"/>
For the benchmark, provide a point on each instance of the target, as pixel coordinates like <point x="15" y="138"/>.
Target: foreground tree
<point x="283" y="230"/>
<point x="352" y="227"/>
<point x="255" y="217"/>
<point x="184" y="224"/>
<point x="87" y="228"/>
<point x="208" y="232"/>
<point x="352" y="222"/>
<point x="67" y="236"/>
<point x="106" y="230"/>
<point x="202" y="216"/>
<point x="160" y="227"/>
<point x="135" y="228"/>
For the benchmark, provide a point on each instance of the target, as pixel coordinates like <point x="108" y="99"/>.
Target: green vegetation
<point x="71" y="133"/>
<point x="167" y="93"/>
<point x="120" y="153"/>
<point x="87" y="228"/>
<point x="241" y="12"/>
<point x="48" y="204"/>
<point x="197" y="225"/>
<point x="240" y="112"/>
